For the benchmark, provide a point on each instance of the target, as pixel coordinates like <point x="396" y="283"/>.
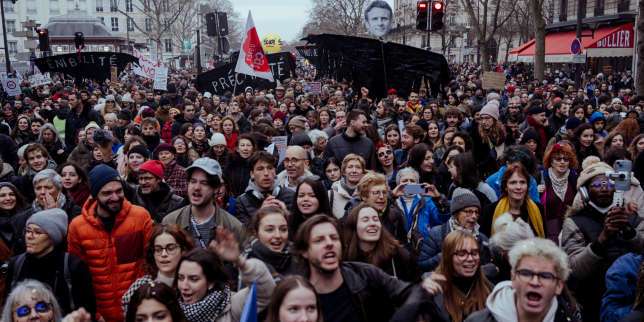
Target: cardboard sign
<point x="114" y="74"/>
<point x="146" y="67"/>
<point x="313" y="88"/>
<point x="39" y="79"/>
<point x="493" y="80"/>
<point x="11" y="86"/>
<point x="281" y="142"/>
<point x="161" y="78"/>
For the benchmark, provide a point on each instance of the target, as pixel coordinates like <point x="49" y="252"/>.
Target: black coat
<point x="248" y="204"/>
<point x="49" y="270"/>
<point x="160" y="203"/>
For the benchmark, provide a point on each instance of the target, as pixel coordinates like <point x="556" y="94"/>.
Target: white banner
<point x="146" y="67"/>
<point x="40" y="79"/>
<point x="161" y="78"/>
<point x="11" y="86"/>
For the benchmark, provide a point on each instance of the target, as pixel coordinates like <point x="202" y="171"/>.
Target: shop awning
<point x="608" y="41"/>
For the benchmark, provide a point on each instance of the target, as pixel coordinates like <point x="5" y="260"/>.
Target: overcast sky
<point x="283" y="17"/>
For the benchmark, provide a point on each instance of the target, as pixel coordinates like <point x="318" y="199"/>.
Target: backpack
<point x="20" y="260"/>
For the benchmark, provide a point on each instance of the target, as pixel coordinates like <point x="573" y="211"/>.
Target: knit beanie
<point x="164" y="147"/>
<point x="217" y="139"/>
<point x="139" y="149"/>
<point x="491" y="109"/>
<point x="592" y="167"/>
<point x="463" y="198"/>
<point x="101" y="175"/>
<point x="299" y="121"/>
<point x="53" y="222"/>
<point x="572" y="123"/>
<point x="155" y="167"/>
<point x="301" y="140"/>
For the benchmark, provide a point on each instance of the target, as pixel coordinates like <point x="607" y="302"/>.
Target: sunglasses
<point x="40" y="308"/>
<point x="383" y="153"/>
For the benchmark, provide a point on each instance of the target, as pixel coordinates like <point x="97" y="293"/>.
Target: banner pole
<point x="235" y="85"/>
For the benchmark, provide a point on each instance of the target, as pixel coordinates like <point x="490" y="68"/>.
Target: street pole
<point x="198" y="52"/>
<point x="4" y="37"/>
<point x="578" y="67"/>
<point x="429" y="24"/>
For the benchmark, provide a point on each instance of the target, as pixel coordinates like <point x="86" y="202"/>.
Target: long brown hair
<point x="283" y="288"/>
<point x="385" y="249"/>
<point x="457" y="304"/>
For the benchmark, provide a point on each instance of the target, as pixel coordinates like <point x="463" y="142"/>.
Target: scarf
<point x="534" y="214"/>
<point x="454" y="225"/>
<point x="346" y="187"/>
<point x="559" y="184"/>
<point x="79" y="193"/>
<point x="59" y="203"/>
<point x="210" y="308"/>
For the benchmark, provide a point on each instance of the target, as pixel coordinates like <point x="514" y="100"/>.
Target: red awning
<point x="609" y="37"/>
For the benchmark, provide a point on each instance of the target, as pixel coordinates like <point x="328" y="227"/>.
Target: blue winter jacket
<point x="621" y="281"/>
<point x="428" y="215"/>
<point x="494" y="181"/>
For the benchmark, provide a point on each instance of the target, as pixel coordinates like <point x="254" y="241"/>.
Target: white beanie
<point x="217" y="139"/>
<point x="491" y="109"/>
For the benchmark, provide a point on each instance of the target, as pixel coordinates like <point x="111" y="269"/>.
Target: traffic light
<point x="79" y="41"/>
<point x="422" y="8"/>
<point x="43" y="39"/>
<point x="438" y="11"/>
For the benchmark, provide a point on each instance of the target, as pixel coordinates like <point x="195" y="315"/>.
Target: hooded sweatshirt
<point x="501" y="304"/>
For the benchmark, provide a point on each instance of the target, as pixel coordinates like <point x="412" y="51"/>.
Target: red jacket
<point x="115" y="258"/>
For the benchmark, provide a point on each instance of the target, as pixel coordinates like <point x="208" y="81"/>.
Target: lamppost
<point x="4" y="36"/>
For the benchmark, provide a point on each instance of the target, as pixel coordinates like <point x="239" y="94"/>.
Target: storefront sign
<point x="624" y="37"/>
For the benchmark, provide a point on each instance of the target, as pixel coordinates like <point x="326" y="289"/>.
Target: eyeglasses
<point x="386" y="152"/>
<point x="377" y="193"/>
<point x="561" y="159"/>
<point x="527" y="275"/>
<point x="462" y="254"/>
<point x="40" y="308"/>
<point x="604" y="183"/>
<point x="292" y="160"/>
<point x="171" y="249"/>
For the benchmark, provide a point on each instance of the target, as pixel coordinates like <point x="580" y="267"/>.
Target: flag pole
<point x="235" y="85"/>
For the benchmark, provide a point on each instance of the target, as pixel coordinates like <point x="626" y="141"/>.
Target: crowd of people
<point x="524" y="203"/>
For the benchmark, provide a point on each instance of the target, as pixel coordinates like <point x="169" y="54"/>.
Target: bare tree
<point x="344" y="17"/>
<point x="486" y="17"/>
<point x="186" y="23"/>
<point x="536" y="10"/>
<point x="235" y="26"/>
<point x="160" y="15"/>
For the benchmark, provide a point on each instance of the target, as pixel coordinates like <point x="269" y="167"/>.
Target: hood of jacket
<point x="339" y="188"/>
<point x="501" y="304"/>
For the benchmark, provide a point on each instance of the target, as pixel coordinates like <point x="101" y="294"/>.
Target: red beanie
<point x="155" y="167"/>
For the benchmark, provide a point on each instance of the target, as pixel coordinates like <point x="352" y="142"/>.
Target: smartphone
<point x="622" y="175"/>
<point x="414" y="189"/>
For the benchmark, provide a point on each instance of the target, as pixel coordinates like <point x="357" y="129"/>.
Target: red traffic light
<point x="438" y="5"/>
<point x="422" y="5"/>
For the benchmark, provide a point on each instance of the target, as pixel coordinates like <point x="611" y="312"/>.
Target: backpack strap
<point x="20" y="260"/>
<point x="68" y="279"/>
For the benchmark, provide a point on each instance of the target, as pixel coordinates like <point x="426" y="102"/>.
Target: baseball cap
<point x="208" y="165"/>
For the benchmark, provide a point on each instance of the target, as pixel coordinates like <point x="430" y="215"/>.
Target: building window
<point x="115" y="24"/>
<point x="103" y="20"/>
<point x="563" y="13"/>
<point x="623" y="5"/>
<point x="130" y="24"/>
<point x="11" y="25"/>
<point x="128" y="6"/>
<point x="114" y="6"/>
<point x="99" y="5"/>
<point x="148" y="24"/>
<point x="13" y="47"/>
<point x="168" y="45"/>
<point x="599" y="7"/>
<point x="8" y="6"/>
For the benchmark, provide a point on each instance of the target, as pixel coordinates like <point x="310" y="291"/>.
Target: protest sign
<point x="93" y="65"/>
<point x="223" y="78"/>
<point x="493" y="80"/>
<point x="161" y="78"/>
<point x="39" y="79"/>
<point x="11" y="86"/>
<point x="145" y="66"/>
<point x="114" y="74"/>
<point x="280" y="142"/>
<point x="313" y="88"/>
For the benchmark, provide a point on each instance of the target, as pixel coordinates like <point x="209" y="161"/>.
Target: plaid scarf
<point x="210" y="308"/>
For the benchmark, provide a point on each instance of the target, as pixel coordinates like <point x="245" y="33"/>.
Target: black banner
<point x="93" y="65"/>
<point x="222" y="79"/>
<point x="310" y="53"/>
<point x="375" y="64"/>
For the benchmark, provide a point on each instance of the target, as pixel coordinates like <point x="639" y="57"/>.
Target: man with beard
<point x="110" y="235"/>
<point x="202" y="215"/>
<point x="296" y="167"/>
<point x="349" y="291"/>
<point x="410" y="136"/>
<point x="153" y="193"/>
<point x="596" y="234"/>
<point x="188" y="116"/>
<point x="353" y="140"/>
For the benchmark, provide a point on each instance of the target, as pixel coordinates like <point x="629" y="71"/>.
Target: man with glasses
<point x="597" y="233"/>
<point x="539" y="271"/>
<point x="296" y="167"/>
<point x="153" y="193"/>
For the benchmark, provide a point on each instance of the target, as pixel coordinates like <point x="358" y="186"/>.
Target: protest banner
<point x="223" y="78"/>
<point x="280" y="142"/>
<point x="161" y="78"/>
<point x="93" y="65"/>
<point x="11" y="86"/>
<point x="493" y="80"/>
<point x="313" y="88"/>
<point x="145" y="67"/>
<point x="39" y="79"/>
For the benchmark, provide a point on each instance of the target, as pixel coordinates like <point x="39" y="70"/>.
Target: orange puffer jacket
<point x="115" y="258"/>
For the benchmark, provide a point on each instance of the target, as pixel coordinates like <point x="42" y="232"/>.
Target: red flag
<point x="252" y="60"/>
